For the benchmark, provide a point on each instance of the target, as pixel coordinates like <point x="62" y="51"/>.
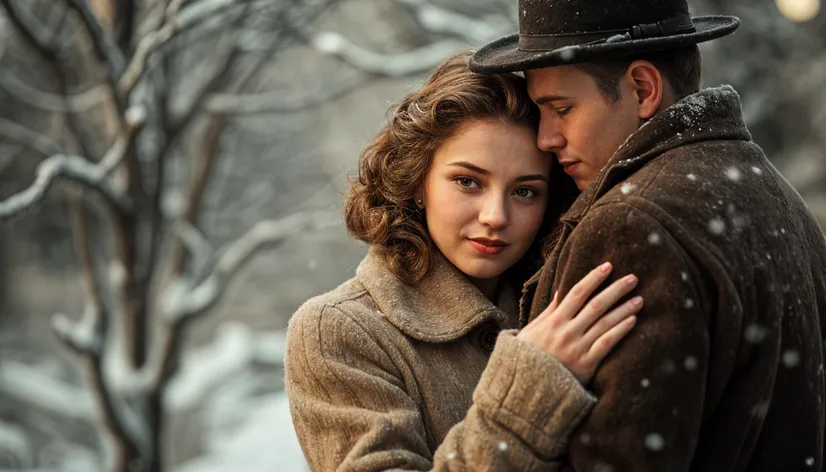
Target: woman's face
<point x="485" y="196"/>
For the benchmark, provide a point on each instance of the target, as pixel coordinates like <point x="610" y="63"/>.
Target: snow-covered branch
<point x="187" y="301"/>
<point x="476" y="31"/>
<point x="277" y="101"/>
<point x="149" y="43"/>
<point x="74" y="168"/>
<point x="396" y="65"/>
<point x="74" y="103"/>
<point x="104" y="44"/>
<point x="39" y="142"/>
<point x="32" y="386"/>
<point x="31" y="30"/>
<point x="94" y="176"/>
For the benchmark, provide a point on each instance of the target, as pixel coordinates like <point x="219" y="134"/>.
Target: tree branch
<point x="126" y="17"/>
<point x="397" y="65"/>
<point x="25" y="25"/>
<point x="95" y="176"/>
<point x="41" y="143"/>
<point x="278" y="101"/>
<point x="105" y="46"/>
<point x="74" y="168"/>
<point x="75" y="103"/>
<point x="185" y="303"/>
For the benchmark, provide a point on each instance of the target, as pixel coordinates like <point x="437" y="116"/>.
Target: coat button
<point x="487" y="337"/>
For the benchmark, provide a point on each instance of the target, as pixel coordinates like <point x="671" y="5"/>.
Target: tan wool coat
<point x="382" y="375"/>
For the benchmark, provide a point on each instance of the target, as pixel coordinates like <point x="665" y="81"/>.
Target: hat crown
<point x="559" y="17"/>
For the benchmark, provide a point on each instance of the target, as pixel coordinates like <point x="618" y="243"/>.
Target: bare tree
<point x="147" y="269"/>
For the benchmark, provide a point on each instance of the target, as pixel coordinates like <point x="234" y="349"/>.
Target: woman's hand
<point x="578" y="337"/>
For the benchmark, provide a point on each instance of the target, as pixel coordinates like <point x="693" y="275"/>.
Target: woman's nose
<point x="494" y="212"/>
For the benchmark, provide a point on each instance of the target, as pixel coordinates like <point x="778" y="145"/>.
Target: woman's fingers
<point x="605" y="343"/>
<point x="576" y="297"/>
<point x="612" y="319"/>
<point x="602" y="302"/>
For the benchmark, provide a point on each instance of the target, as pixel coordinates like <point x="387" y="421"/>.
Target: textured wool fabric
<point x="382" y="375"/>
<point x="724" y="369"/>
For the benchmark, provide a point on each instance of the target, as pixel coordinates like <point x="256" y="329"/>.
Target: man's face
<point x="580" y="125"/>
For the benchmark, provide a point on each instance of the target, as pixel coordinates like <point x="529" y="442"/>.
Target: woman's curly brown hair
<point x="380" y="207"/>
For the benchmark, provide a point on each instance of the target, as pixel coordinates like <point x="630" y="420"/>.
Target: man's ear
<point x="647" y="85"/>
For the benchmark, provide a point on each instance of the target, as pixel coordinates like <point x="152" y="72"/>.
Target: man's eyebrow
<point x="545" y="99"/>
<point x="469" y="166"/>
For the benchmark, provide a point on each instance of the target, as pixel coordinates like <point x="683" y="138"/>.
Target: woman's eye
<point x="466" y="182"/>
<point x="525" y="192"/>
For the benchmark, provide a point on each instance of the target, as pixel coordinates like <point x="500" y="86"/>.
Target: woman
<point x="400" y="368"/>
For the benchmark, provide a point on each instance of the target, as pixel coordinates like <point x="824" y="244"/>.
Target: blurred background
<point x="142" y="312"/>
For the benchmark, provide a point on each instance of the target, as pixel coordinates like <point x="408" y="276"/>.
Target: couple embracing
<point x="588" y="266"/>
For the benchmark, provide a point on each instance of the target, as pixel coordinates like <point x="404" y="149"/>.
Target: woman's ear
<point x="647" y="86"/>
<point x="418" y="198"/>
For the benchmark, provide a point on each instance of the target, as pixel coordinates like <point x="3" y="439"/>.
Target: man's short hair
<point x="681" y="68"/>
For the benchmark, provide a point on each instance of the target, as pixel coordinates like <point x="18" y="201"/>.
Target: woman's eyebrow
<point x="469" y="166"/>
<point x="526" y="178"/>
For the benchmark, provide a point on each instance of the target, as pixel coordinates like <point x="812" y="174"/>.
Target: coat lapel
<point x="444" y="306"/>
<point x="712" y="114"/>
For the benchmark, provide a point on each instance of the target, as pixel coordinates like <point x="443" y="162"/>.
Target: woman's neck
<point x="488" y="287"/>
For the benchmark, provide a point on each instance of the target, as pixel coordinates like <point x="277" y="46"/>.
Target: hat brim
<point x="504" y="54"/>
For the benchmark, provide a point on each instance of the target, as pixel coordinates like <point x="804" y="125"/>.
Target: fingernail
<point x="631" y="279"/>
<point x="605" y="268"/>
<point x="631" y="320"/>
<point x="636" y="302"/>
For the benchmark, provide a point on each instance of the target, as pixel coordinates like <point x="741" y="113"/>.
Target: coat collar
<point x="443" y="307"/>
<point x="711" y="114"/>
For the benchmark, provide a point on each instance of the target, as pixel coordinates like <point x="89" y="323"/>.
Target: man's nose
<point x="494" y="212"/>
<point x="549" y="138"/>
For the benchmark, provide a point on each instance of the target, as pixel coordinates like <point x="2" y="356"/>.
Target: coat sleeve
<point x="352" y="411"/>
<point x="651" y="388"/>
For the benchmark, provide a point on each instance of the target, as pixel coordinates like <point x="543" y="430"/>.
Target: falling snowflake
<point x="810" y="461"/>
<point x="755" y="333"/>
<point x="760" y="410"/>
<point x="791" y="358"/>
<point x="654" y="239"/>
<point x="627" y="188"/>
<point x="654" y="442"/>
<point x="688" y="304"/>
<point x="567" y="53"/>
<point x="717" y="226"/>
<point x="733" y="174"/>
<point x="692" y="177"/>
<point x="757" y="170"/>
<point x="645" y="383"/>
<point x="451" y="455"/>
<point x="684" y="276"/>
<point x="690" y="363"/>
<point x="503" y="446"/>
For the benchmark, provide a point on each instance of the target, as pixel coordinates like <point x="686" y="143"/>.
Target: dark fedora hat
<point x="560" y="32"/>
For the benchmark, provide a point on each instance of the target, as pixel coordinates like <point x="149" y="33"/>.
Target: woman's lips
<point x="488" y="248"/>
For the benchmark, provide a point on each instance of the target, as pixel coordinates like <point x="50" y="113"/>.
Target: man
<point x="724" y="370"/>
